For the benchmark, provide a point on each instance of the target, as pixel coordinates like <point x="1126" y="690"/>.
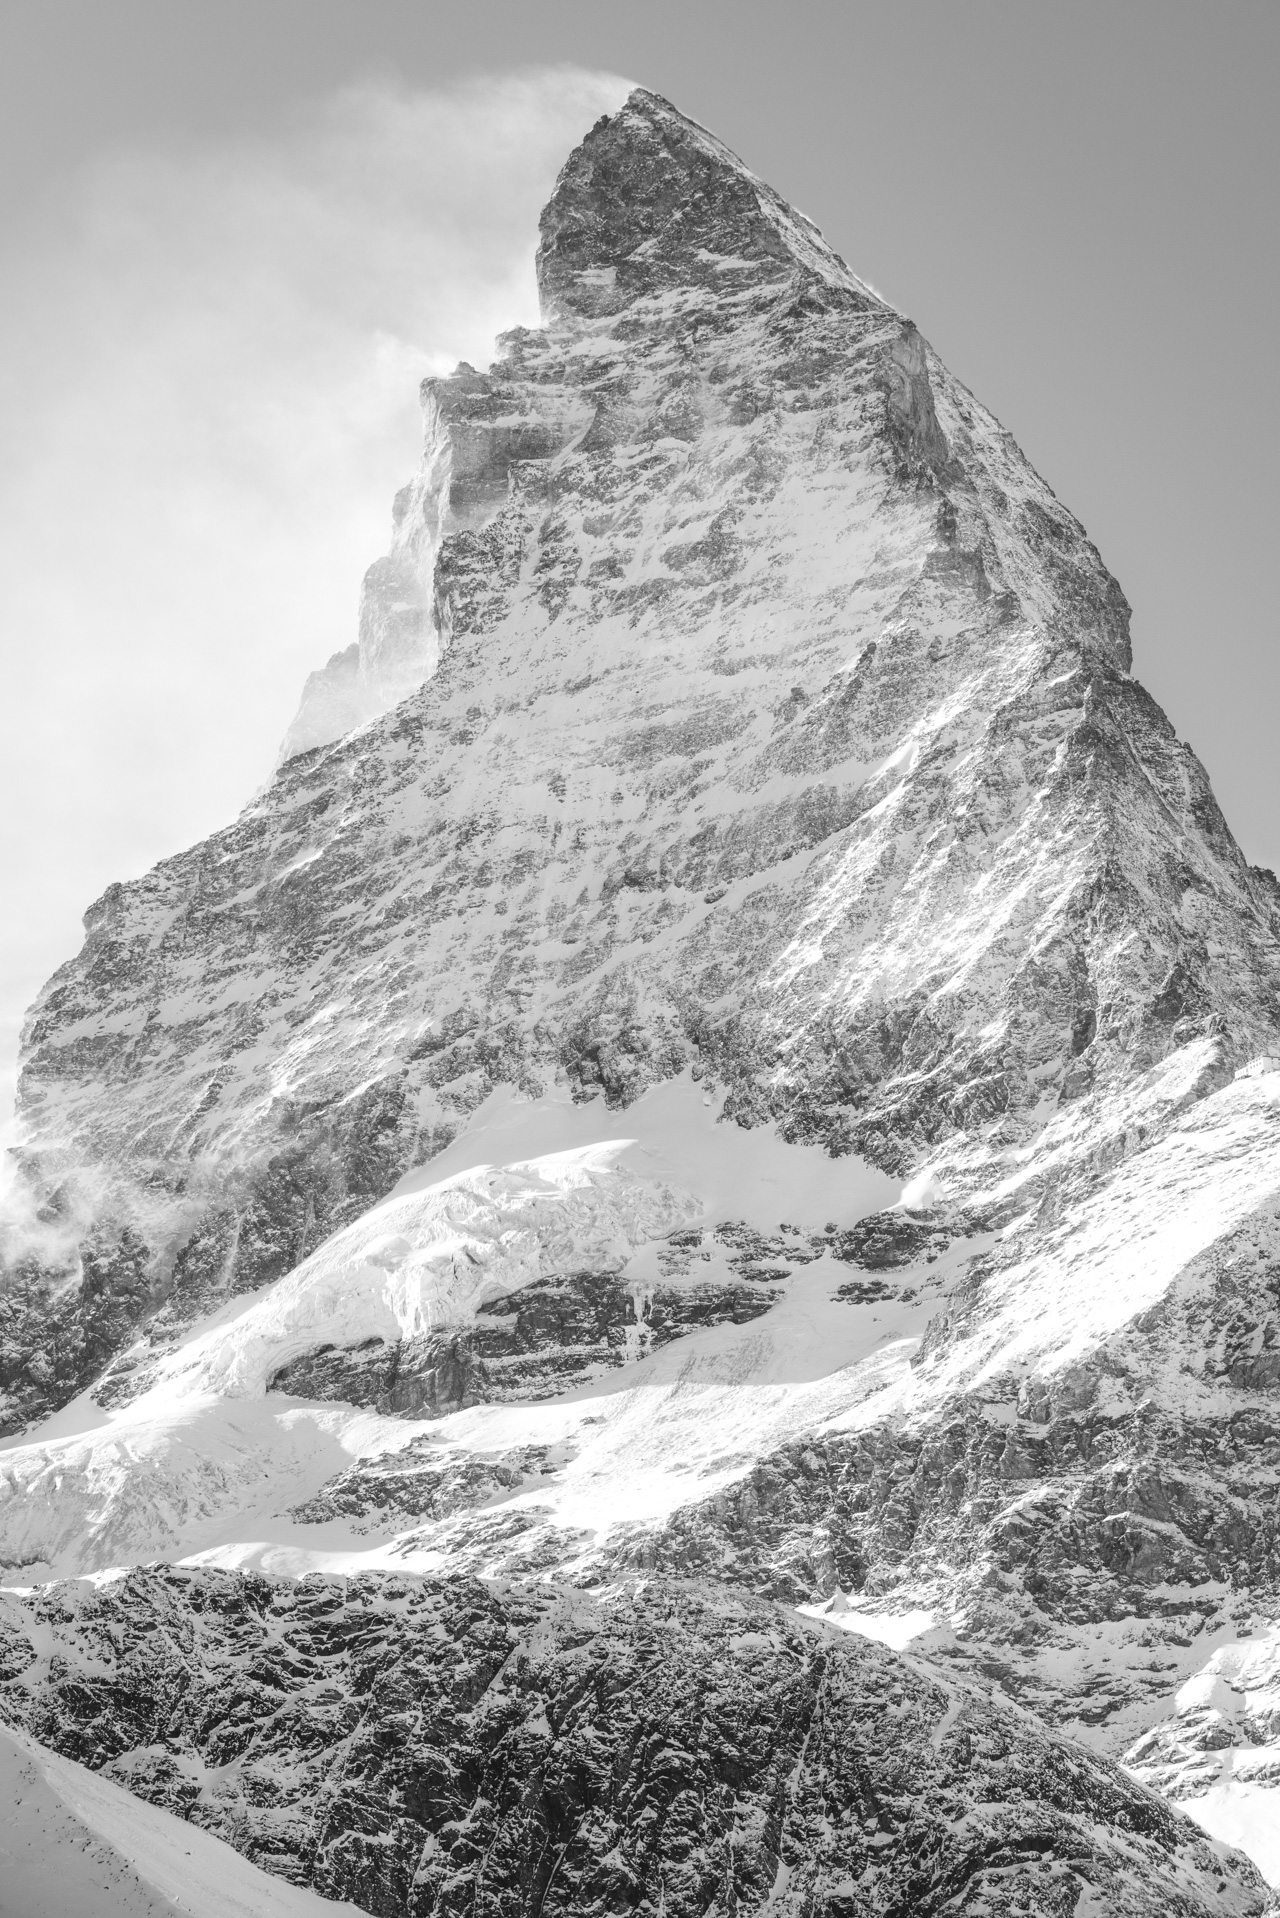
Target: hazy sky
<point x="234" y="233"/>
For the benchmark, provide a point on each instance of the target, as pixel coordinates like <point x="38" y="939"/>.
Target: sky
<point x="233" y="237"/>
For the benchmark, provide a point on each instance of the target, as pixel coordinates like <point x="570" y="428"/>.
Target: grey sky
<point x="218" y="292"/>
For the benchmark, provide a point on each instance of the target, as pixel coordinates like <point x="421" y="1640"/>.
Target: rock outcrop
<point x="427" y="1748"/>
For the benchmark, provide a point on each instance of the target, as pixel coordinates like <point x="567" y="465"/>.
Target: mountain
<point x="736" y="1050"/>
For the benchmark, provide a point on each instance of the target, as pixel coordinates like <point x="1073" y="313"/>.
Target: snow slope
<point x="76" y="1845"/>
<point x="204" y="1460"/>
<point x="1245" y="1816"/>
<point x="1218" y="1757"/>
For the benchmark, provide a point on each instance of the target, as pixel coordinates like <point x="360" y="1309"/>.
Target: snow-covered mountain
<point x="737" y="1047"/>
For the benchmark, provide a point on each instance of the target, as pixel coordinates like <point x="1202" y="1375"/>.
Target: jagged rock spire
<point x="650" y="200"/>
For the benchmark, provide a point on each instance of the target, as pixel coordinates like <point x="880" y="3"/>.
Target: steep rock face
<point x="529" y="1345"/>
<point x="467" y="455"/>
<point x="432" y="1747"/>
<point x="783" y="725"/>
<point x="398" y="645"/>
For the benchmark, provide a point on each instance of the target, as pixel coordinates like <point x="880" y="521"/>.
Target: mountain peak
<point x="764" y="759"/>
<point x="650" y="201"/>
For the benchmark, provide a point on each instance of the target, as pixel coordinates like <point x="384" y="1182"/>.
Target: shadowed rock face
<point x="437" y="1747"/>
<point x="537" y="1342"/>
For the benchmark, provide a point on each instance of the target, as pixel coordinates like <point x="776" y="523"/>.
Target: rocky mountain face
<point x="736" y="1050"/>
<point x="437" y="1746"/>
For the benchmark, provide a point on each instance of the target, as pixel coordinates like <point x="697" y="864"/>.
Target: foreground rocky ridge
<point x="445" y="1746"/>
<point x="782" y="765"/>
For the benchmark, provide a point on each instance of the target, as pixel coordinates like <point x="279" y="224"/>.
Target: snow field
<point x="73" y="1844"/>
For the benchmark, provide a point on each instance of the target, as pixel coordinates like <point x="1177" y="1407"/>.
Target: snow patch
<point x="897" y="1630"/>
<point x="1218" y="1757"/>
<point x="1245" y="1816"/>
<point x="434" y="1257"/>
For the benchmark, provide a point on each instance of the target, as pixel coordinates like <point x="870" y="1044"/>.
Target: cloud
<point x="209" y="362"/>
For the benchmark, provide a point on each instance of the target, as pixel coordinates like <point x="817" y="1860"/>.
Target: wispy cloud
<point x="208" y="372"/>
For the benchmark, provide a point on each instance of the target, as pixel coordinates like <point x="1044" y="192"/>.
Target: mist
<point x="210" y="358"/>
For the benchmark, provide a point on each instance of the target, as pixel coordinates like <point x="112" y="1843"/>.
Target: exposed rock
<point x="418" y="1746"/>
<point x="529" y="1345"/>
<point x="424" y="1480"/>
